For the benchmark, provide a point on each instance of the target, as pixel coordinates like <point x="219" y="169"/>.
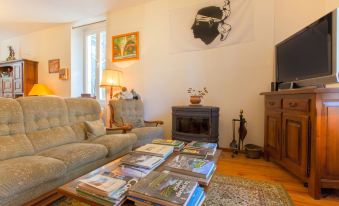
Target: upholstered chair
<point x="131" y="112"/>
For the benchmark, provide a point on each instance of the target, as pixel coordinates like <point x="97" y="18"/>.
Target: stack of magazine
<point x="200" y="149"/>
<point x="156" y="150"/>
<point x="167" y="188"/>
<point x="178" y="145"/>
<point x="201" y="169"/>
<point x="102" y="189"/>
<point x="110" y="187"/>
<point x="142" y="160"/>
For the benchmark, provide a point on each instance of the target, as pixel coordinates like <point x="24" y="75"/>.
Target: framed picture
<point x="64" y="74"/>
<point x="54" y="66"/>
<point x="125" y="47"/>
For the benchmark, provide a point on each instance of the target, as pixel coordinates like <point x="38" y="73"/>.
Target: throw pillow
<point x="95" y="129"/>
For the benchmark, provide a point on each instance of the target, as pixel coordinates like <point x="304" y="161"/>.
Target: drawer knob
<point x="292" y="104"/>
<point x="271" y="103"/>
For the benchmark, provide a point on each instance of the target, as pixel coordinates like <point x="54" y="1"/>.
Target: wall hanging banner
<point x="212" y="24"/>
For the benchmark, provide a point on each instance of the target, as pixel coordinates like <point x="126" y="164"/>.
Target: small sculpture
<point x="136" y="96"/>
<point x="11" y="55"/>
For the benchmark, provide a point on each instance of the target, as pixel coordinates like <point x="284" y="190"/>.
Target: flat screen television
<point x="309" y="57"/>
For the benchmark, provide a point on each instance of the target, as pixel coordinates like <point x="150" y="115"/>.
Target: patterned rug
<point x="230" y="191"/>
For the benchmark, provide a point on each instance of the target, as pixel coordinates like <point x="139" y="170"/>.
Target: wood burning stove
<point x="195" y="123"/>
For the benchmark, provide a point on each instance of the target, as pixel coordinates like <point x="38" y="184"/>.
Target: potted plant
<point x="196" y="96"/>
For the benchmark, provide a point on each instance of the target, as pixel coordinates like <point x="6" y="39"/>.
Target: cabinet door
<point x="1" y="92"/>
<point x="273" y="134"/>
<point x="330" y="141"/>
<point x="295" y="143"/>
<point x="17" y="71"/>
<point x="18" y="86"/>
<point x="7" y="85"/>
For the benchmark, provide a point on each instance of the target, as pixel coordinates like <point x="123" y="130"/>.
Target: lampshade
<point x="40" y="90"/>
<point x="111" y="78"/>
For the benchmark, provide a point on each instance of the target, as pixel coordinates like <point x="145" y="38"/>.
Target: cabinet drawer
<point x="273" y="103"/>
<point x="296" y="104"/>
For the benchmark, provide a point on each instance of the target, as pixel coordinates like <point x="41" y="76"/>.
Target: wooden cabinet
<point x="302" y="135"/>
<point x="17" y="77"/>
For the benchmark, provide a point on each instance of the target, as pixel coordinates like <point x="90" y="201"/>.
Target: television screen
<point x="308" y="54"/>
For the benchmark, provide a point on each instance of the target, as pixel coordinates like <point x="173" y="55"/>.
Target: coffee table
<point x="69" y="189"/>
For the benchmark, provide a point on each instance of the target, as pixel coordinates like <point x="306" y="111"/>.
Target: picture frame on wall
<point x="125" y="47"/>
<point x="64" y="74"/>
<point x="54" y="66"/>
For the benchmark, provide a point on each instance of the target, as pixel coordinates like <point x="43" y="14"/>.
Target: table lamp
<point x="40" y="90"/>
<point x="111" y="79"/>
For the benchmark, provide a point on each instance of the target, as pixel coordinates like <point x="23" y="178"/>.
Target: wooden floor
<point x="268" y="171"/>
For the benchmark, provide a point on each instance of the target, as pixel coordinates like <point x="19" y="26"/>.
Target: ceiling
<point x="18" y="17"/>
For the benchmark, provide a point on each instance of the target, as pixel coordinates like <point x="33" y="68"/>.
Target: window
<point x="95" y="62"/>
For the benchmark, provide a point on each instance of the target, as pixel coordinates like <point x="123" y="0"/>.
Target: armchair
<point x="131" y="112"/>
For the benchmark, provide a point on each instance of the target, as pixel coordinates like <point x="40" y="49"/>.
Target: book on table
<point x="164" y="188"/>
<point x="192" y="166"/>
<point x="129" y="170"/>
<point x="196" y="199"/>
<point x="101" y="185"/>
<point x="202" y="146"/>
<point x="155" y="149"/>
<point x="199" y="153"/>
<point x="178" y="145"/>
<point x="142" y="160"/>
<point x="130" y="175"/>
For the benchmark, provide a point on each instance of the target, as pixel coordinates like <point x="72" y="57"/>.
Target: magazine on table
<point x="142" y="160"/>
<point x="164" y="188"/>
<point x="155" y="149"/>
<point x="202" y="145"/>
<point x="178" y="145"/>
<point x="191" y="166"/>
<point x="103" y="184"/>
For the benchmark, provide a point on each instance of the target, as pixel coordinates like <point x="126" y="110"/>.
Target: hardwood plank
<point x="259" y="169"/>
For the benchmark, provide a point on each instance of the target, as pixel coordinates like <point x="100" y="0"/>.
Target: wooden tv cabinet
<point x="302" y="135"/>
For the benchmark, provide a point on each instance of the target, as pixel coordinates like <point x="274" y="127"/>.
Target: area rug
<point x="230" y="191"/>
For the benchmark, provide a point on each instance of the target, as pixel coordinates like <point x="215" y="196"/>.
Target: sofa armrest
<point x="153" y="123"/>
<point x="116" y="130"/>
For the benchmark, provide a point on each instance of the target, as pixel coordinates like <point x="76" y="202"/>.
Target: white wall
<point x="234" y="75"/>
<point x="293" y="15"/>
<point x="53" y="43"/>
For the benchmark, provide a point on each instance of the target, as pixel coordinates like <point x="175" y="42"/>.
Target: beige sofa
<point x="43" y="145"/>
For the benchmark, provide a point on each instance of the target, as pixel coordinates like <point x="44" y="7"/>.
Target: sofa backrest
<point x="46" y="122"/>
<point x="81" y="110"/>
<point x="127" y="112"/>
<point x="13" y="140"/>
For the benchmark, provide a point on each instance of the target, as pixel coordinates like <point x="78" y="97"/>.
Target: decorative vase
<point x="195" y="100"/>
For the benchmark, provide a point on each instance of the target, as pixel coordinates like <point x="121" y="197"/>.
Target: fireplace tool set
<point x="242" y="131"/>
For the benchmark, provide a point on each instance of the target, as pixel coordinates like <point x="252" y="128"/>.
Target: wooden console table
<point x="302" y="135"/>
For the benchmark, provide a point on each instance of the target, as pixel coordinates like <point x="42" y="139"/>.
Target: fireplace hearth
<point x="195" y="123"/>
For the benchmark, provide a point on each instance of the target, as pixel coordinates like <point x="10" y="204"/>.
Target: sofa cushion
<point x="116" y="143"/>
<point x="95" y="129"/>
<point x="81" y="110"/>
<point x="46" y="122"/>
<point x="76" y="154"/>
<point x="128" y="112"/>
<point x="13" y="141"/>
<point x="22" y="173"/>
<point x="147" y="134"/>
